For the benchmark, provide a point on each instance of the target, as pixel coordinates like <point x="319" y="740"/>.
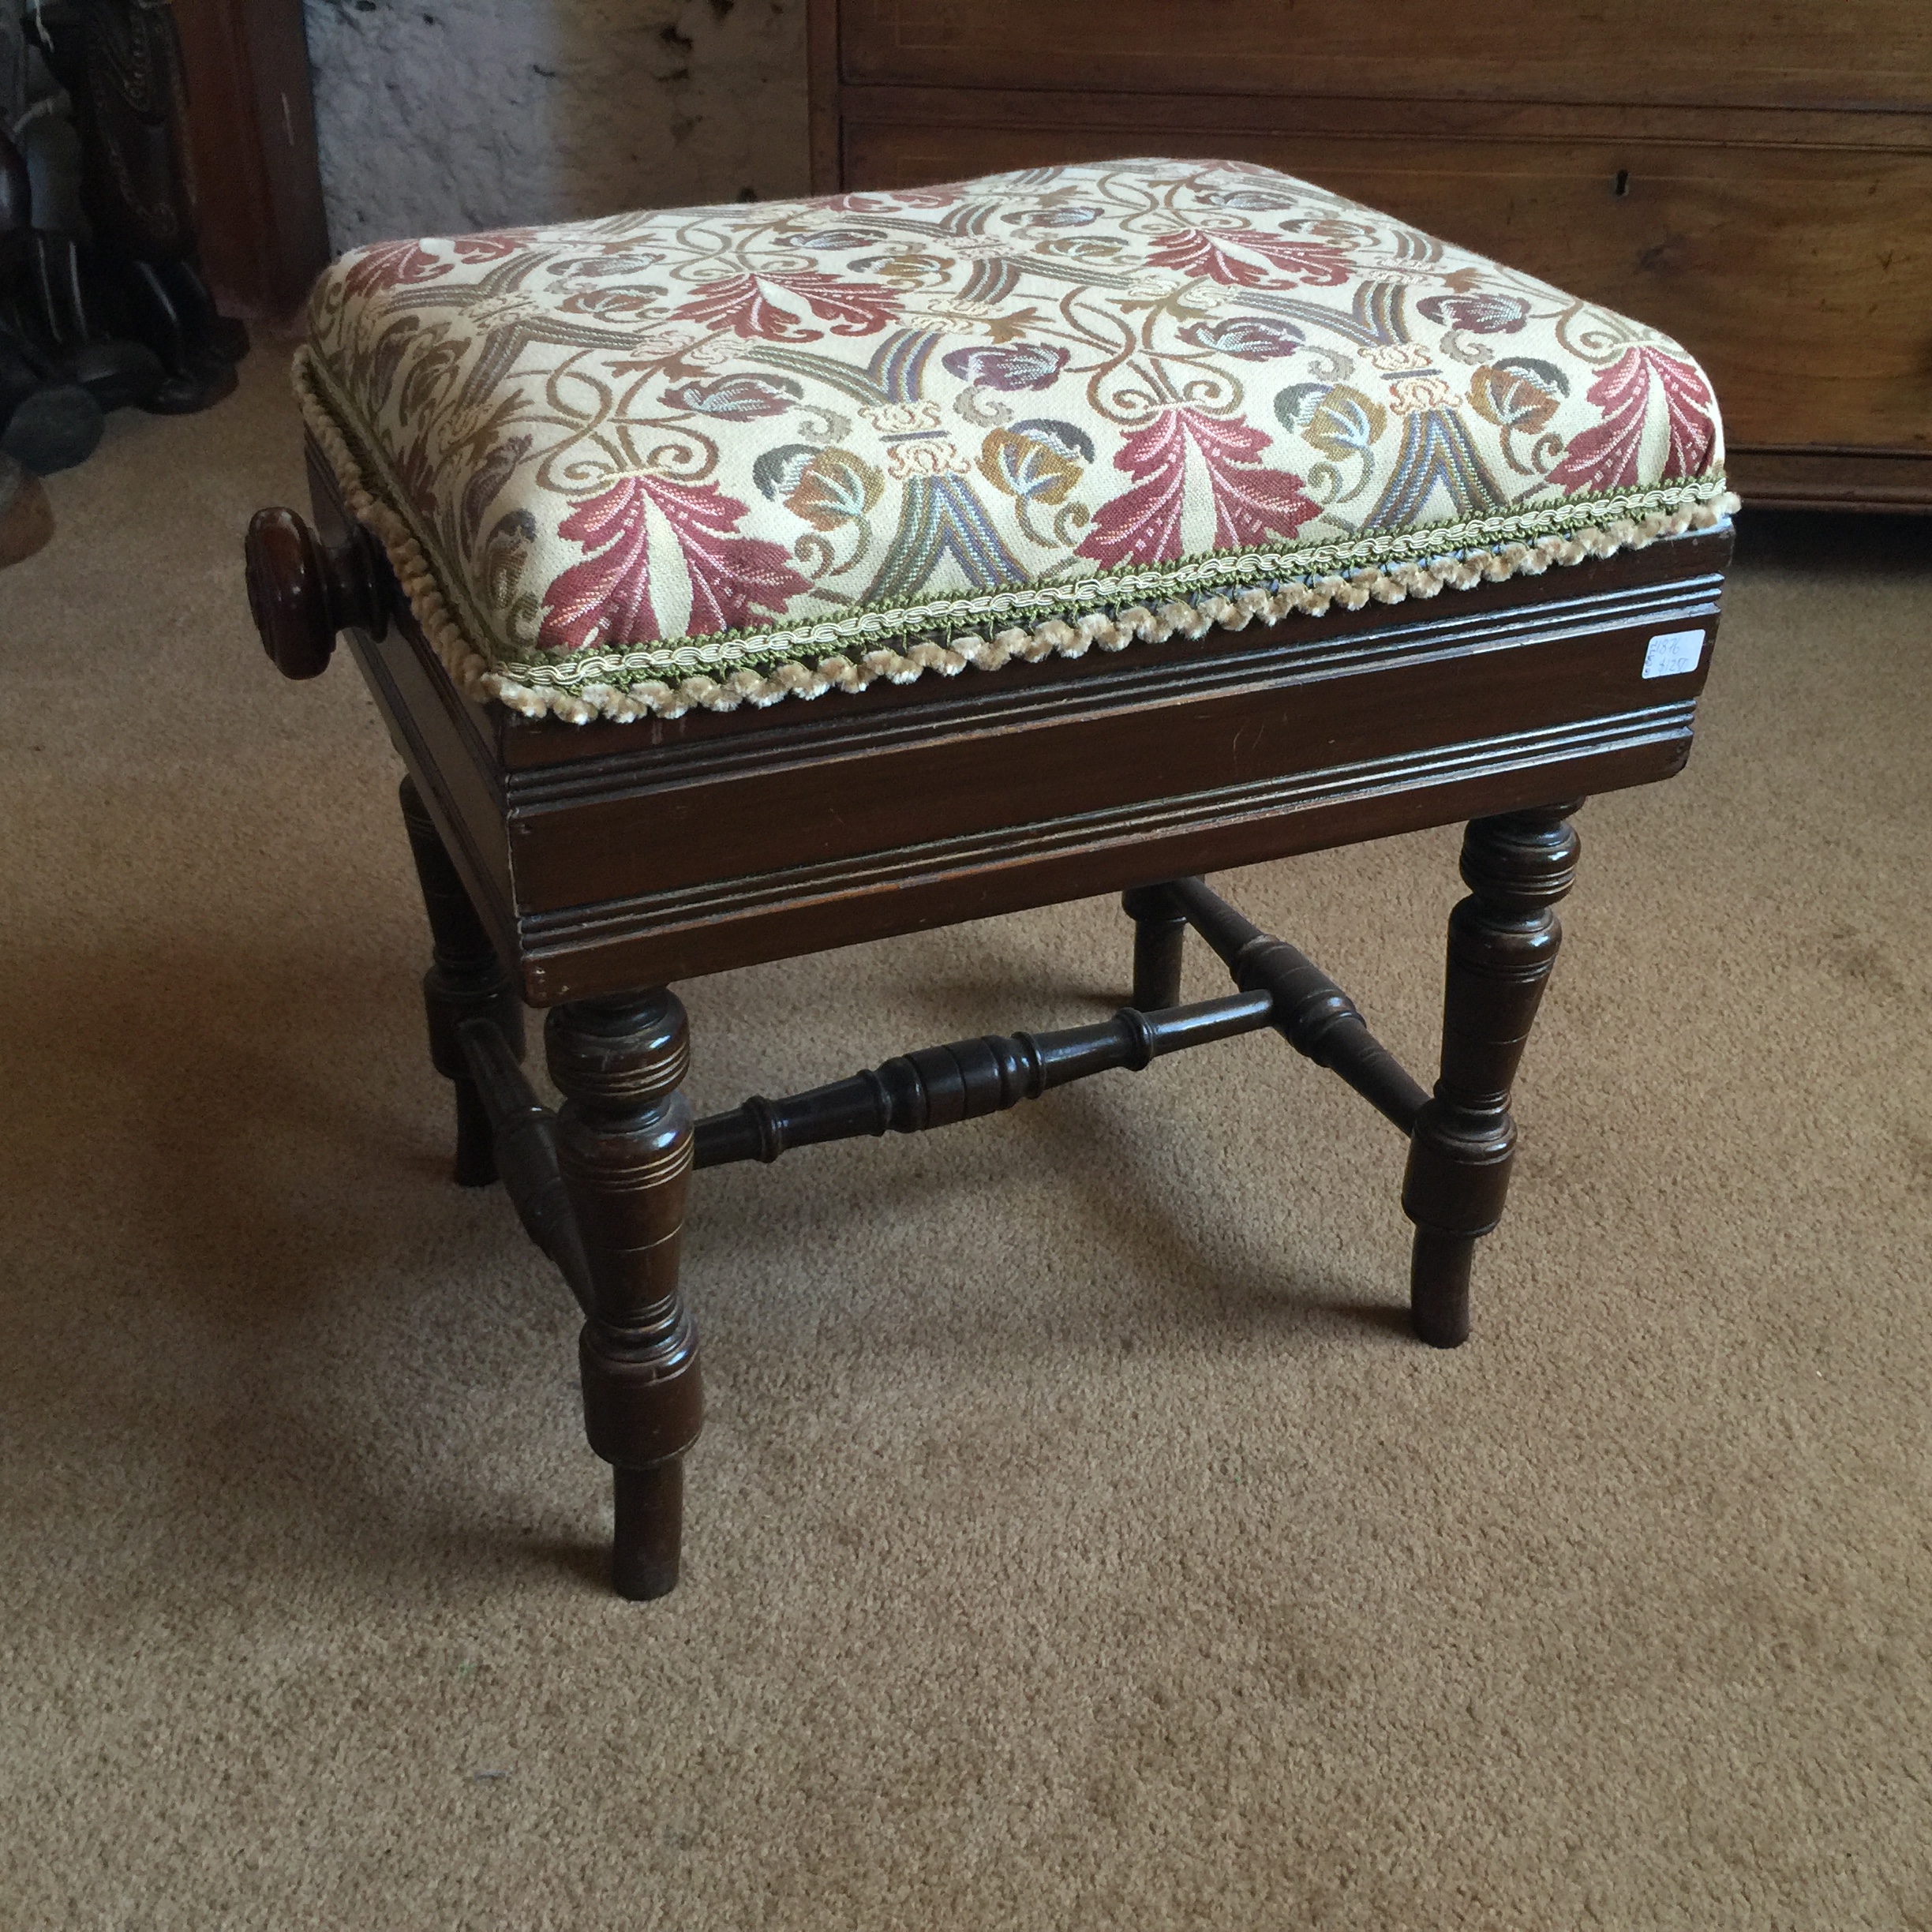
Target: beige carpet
<point x="1077" y="1541"/>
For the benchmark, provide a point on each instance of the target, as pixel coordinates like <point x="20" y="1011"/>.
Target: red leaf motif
<point x="743" y="304"/>
<point x="1251" y="504"/>
<point x="610" y="591"/>
<point x="1195" y="253"/>
<point x="1604" y="455"/>
<point x="1315" y="264"/>
<point x="1201" y="251"/>
<point x="865" y="202"/>
<point x="389" y="264"/>
<point x="852" y="307"/>
<point x="492" y="244"/>
<point x="733" y="579"/>
<point x="606" y="599"/>
<point x="738" y="303"/>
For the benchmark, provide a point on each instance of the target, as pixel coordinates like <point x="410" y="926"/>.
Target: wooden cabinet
<point x="1755" y="180"/>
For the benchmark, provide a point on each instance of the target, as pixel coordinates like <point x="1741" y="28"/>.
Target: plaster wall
<point x="437" y="116"/>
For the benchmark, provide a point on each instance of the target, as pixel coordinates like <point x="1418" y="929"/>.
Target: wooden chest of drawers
<point x="1755" y="179"/>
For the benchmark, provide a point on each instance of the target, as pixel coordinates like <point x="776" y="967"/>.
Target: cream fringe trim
<point x="1057" y="638"/>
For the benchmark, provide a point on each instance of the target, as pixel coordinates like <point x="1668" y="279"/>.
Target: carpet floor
<point x="1078" y="1539"/>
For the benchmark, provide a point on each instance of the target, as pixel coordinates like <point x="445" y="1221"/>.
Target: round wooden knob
<point x="301" y="591"/>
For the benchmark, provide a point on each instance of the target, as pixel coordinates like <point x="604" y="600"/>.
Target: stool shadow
<point x="1075" y="1135"/>
<point x="1264" y="1289"/>
<point x="240" y="1175"/>
<point x="253" y="1170"/>
<point x="1259" y="1288"/>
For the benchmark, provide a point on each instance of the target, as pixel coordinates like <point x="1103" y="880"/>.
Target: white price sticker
<point x="1671" y="654"/>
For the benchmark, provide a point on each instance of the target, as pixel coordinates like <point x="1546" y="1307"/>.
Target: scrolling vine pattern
<point x="728" y="436"/>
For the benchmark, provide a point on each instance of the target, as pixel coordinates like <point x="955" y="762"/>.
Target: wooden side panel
<point x="674" y="859"/>
<point x="1852" y="54"/>
<point x="608" y="950"/>
<point x="437" y="739"/>
<point x="1015" y="781"/>
<point x="1832" y="479"/>
<point x="251" y="131"/>
<point x="1835" y="348"/>
<point x="664" y="854"/>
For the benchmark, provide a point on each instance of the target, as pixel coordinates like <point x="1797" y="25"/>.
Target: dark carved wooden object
<point x="599" y="1187"/>
<point x="1502" y="941"/>
<point x="466" y="982"/>
<point x="1160" y="938"/>
<point x="303" y="589"/>
<point x="623" y="1143"/>
<point x="938" y="1085"/>
<point x="1311" y="1012"/>
<point x="589" y="862"/>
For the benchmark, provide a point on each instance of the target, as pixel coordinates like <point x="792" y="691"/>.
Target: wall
<point x="437" y="116"/>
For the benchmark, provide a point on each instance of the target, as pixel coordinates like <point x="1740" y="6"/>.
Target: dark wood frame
<point x="584" y="869"/>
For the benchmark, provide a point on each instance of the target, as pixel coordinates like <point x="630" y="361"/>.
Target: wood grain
<point x="1832" y="479"/>
<point x="1863" y="54"/>
<point x="821" y="76"/>
<point x="1227" y="741"/>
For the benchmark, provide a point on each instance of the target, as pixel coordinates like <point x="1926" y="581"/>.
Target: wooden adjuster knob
<point x="301" y="590"/>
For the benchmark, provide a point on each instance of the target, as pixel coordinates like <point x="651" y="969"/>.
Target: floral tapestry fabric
<point x="758" y="447"/>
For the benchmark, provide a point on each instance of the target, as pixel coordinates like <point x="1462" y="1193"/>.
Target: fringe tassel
<point x="1057" y="638"/>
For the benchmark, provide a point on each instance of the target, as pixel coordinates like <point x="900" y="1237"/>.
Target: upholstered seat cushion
<point x="715" y="455"/>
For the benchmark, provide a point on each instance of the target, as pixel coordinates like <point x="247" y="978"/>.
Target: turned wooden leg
<point x="1160" y="935"/>
<point x="623" y="1138"/>
<point x="1503" y="941"/>
<point x="466" y="982"/>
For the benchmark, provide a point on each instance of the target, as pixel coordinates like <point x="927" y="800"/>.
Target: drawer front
<point x="1842" y="54"/>
<point x="1800" y="277"/>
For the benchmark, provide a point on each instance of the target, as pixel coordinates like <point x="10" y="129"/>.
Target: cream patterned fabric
<point x="715" y="455"/>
